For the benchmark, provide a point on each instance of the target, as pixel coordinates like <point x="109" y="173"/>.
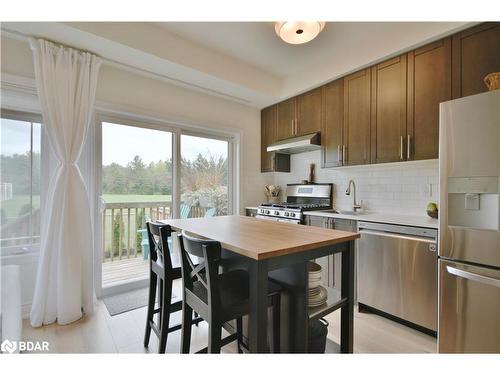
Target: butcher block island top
<point x="261" y="239"/>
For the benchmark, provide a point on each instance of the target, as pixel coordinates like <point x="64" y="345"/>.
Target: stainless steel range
<point x="299" y="198"/>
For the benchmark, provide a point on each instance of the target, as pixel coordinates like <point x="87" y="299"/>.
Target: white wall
<point x="399" y="188"/>
<point x="131" y="92"/>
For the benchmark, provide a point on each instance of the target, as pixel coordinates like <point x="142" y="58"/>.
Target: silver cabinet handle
<point x="344" y="159"/>
<point x="401" y="148"/>
<point x="473" y="276"/>
<point x="338" y="155"/>
<point x="408" y="146"/>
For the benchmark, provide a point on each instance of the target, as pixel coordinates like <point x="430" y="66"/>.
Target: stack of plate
<point x="317" y="295"/>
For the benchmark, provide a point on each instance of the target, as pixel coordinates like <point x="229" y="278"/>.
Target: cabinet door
<point x="388" y="110"/>
<point x="429" y="83"/>
<point x="357" y="118"/>
<point x="476" y="53"/>
<point x="309" y="113"/>
<point x="332" y="130"/>
<point x="267" y="134"/>
<point x="286" y="119"/>
<point x="325" y="262"/>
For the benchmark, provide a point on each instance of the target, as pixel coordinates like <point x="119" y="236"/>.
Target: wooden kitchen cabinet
<point x="388" y="110"/>
<point x="332" y="137"/>
<point x="271" y="161"/>
<point x="356" y="147"/>
<point x="309" y="112"/>
<point x="476" y="53"/>
<point x="286" y="118"/>
<point x="429" y="83"/>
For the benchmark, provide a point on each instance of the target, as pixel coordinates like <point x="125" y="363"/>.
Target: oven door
<point x="279" y="219"/>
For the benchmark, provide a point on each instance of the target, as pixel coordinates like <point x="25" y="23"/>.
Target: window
<point x="20" y="179"/>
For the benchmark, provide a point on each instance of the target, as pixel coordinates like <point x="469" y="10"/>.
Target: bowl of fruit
<point x="432" y="210"/>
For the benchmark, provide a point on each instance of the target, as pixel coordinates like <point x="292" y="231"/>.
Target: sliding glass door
<point x="204" y="177"/>
<point x="150" y="172"/>
<point x="136" y="187"/>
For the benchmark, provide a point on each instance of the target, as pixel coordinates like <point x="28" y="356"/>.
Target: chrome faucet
<point x="355" y="206"/>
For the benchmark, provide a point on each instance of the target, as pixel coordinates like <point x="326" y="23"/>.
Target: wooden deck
<point x="121" y="271"/>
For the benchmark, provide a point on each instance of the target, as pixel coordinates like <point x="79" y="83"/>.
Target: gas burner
<point x="300" y="198"/>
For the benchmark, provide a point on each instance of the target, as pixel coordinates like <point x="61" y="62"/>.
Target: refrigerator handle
<point x="473" y="276"/>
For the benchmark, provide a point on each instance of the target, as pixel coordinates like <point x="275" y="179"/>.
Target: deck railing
<point x="122" y="223"/>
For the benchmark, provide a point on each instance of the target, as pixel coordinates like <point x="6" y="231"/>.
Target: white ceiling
<point x="242" y="61"/>
<point x="257" y="44"/>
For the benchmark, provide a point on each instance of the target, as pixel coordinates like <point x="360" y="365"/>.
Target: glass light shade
<point x="298" y="32"/>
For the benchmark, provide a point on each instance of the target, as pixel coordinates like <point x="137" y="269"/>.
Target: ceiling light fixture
<point x="298" y="32"/>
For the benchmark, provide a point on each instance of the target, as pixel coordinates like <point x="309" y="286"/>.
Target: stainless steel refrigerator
<point x="469" y="236"/>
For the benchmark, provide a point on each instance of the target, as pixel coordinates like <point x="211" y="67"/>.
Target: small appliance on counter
<point x="299" y="198"/>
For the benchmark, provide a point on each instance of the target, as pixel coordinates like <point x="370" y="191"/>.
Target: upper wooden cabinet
<point x="476" y="53"/>
<point x="356" y="145"/>
<point x="271" y="161"/>
<point x="309" y="114"/>
<point x="267" y="134"/>
<point x="300" y="115"/>
<point x="332" y="137"/>
<point x="286" y="119"/>
<point x="429" y="83"/>
<point x="388" y="110"/>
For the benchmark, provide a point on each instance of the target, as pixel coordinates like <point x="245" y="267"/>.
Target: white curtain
<point x="66" y="81"/>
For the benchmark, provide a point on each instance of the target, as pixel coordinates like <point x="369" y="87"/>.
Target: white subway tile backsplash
<point x="399" y="188"/>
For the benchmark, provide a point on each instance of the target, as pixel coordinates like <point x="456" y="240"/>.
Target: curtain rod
<point x="25" y="37"/>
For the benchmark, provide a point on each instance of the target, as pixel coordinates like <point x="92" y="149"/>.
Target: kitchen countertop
<point x="415" y="221"/>
<point x="261" y="239"/>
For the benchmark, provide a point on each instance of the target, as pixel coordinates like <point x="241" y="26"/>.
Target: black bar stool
<point x="162" y="273"/>
<point x="217" y="297"/>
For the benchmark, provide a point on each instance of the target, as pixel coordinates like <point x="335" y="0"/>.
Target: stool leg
<point x="214" y="339"/>
<point x="151" y="306"/>
<point x="239" y="333"/>
<point x="165" y="314"/>
<point x="187" y="321"/>
<point x="276" y="324"/>
<point x="160" y="300"/>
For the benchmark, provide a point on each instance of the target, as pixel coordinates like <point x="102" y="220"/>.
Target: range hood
<point x="295" y="145"/>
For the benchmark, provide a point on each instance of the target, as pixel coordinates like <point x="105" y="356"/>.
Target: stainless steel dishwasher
<point x="397" y="273"/>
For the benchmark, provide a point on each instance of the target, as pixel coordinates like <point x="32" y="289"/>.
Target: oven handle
<point x="397" y="236"/>
<point x="473" y="276"/>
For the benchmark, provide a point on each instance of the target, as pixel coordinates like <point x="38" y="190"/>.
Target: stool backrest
<point x="206" y="271"/>
<point x="158" y="234"/>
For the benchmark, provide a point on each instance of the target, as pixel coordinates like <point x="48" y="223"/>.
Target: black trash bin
<point x="318" y="330"/>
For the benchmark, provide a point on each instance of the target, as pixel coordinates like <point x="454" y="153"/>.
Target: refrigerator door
<point x="469" y="169"/>
<point x="469" y="306"/>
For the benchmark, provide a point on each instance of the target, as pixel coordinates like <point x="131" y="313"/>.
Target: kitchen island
<point x="281" y="251"/>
